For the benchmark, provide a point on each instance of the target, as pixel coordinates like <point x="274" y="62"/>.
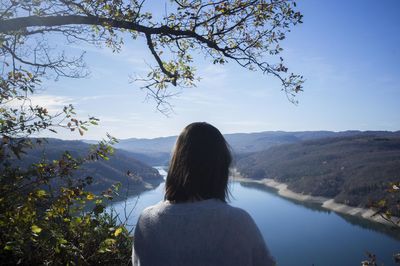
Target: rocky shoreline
<point x="326" y="203"/>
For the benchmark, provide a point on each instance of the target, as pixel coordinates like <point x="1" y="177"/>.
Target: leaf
<point x="118" y="231"/>
<point x="99" y="201"/>
<point x="36" y="229"/>
<point x="90" y="196"/>
<point x="109" y="242"/>
<point x="62" y="241"/>
<point x="106" y="245"/>
<point x="41" y="193"/>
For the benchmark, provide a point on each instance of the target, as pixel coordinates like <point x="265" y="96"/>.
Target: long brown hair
<point x="199" y="166"/>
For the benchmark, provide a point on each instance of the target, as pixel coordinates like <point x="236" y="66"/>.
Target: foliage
<point x="372" y="260"/>
<point x="246" y="32"/>
<point x="41" y="223"/>
<point x="20" y="118"/>
<point x="388" y="207"/>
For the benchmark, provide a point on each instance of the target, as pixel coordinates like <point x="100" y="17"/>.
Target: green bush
<point x="58" y="225"/>
<point x="47" y="215"/>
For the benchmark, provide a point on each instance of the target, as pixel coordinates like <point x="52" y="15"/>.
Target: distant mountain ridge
<point x="157" y="151"/>
<point x="353" y="167"/>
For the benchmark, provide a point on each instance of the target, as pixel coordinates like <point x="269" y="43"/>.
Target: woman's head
<point x="199" y="167"/>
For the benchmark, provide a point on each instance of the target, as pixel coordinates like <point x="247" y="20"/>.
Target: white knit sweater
<point x="208" y="232"/>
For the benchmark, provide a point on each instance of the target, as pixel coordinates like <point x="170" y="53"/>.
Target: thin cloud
<point x="52" y="103"/>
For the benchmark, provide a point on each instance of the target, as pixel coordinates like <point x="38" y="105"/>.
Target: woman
<point x="195" y="225"/>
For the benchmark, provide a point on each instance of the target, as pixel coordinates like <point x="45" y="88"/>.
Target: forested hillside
<point x="105" y="173"/>
<point x="353" y="170"/>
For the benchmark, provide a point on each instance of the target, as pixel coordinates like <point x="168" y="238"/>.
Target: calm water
<point x="297" y="234"/>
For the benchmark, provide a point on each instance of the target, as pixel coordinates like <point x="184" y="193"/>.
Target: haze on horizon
<point x="347" y="51"/>
<point x="255" y="132"/>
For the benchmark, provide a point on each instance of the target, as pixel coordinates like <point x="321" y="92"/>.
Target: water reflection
<point x="309" y="205"/>
<point x="358" y="221"/>
<point x="354" y="220"/>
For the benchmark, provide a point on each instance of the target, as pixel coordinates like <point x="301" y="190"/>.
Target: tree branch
<point x="158" y="59"/>
<point x="20" y="23"/>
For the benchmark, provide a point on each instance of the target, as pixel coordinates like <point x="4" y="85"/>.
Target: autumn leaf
<point x="90" y="196"/>
<point x="36" y="229"/>
<point x="118" y="231"/>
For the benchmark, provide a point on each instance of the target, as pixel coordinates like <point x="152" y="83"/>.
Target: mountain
<point x="156" y="145"/>
<point x="157" y="151"/>
<point x="104" y="173"/>
<point x="353" y="169"/>
<point x="253" y="142"/>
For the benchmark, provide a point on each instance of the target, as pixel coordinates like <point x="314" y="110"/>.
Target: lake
<point x="296" y="233"/>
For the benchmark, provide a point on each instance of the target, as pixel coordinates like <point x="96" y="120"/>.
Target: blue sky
<point x="348" y="51"/>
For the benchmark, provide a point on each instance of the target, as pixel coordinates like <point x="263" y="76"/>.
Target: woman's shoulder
<point x="153" y="209"/>
<point x="239" y="215"/>
<point x="200" y="209"/>
<point x="209" y="205"/>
